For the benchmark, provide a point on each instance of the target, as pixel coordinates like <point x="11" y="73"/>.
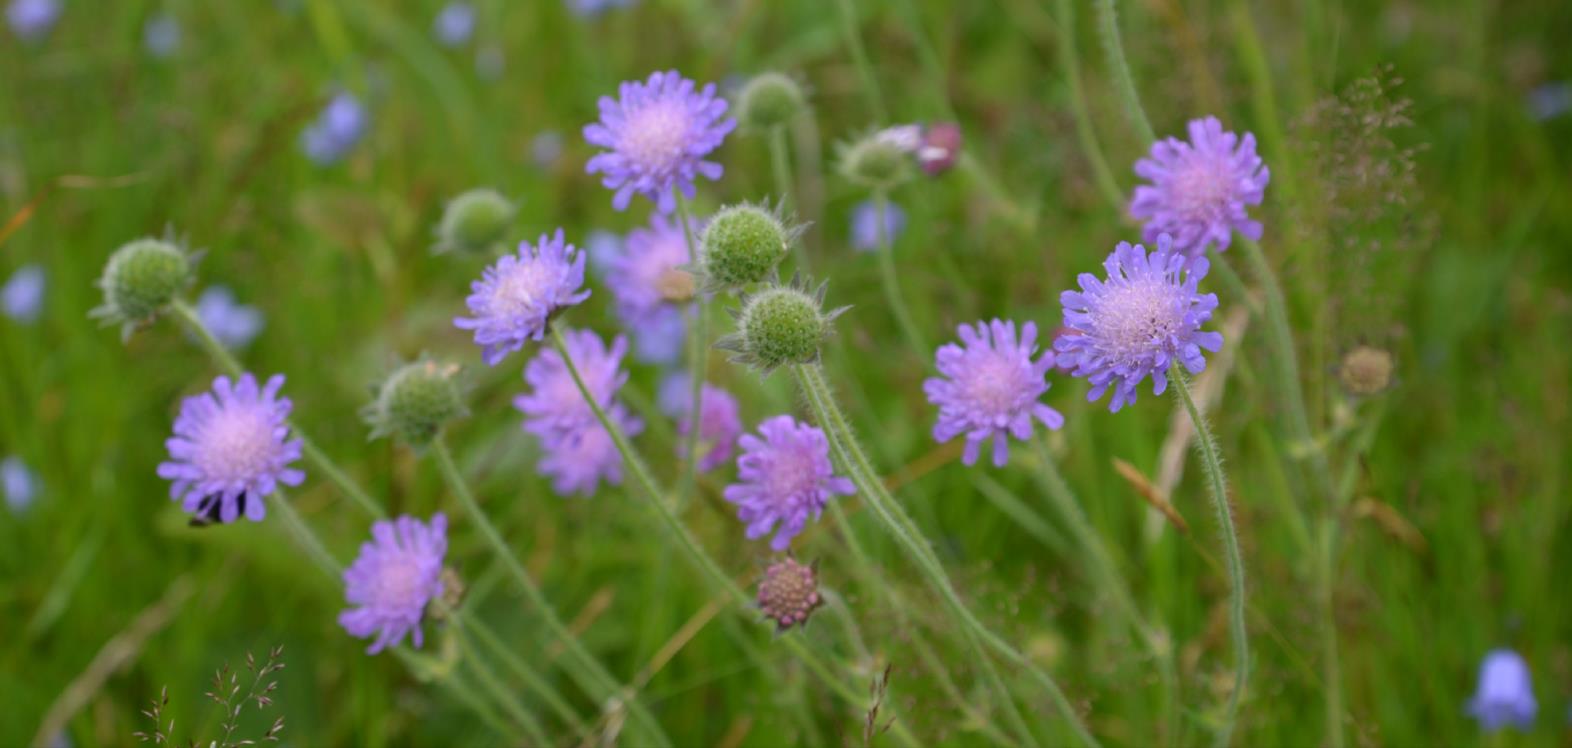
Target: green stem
<point x="478" y="705"/>
<point x="891" y="280"/>
<point x="698" y="354"/>
<point x="483" y="673"/>
<point x="870" y="84"/>
<point x="304" y="537"/>
<point x="780" y="165"/>
<point x="695" y="552"/>
<point x="1069" y="59"/>
<point x="1023" y="220"/>
<point x="591" y="675"/>
<point x="843" y="442"/>
<point x="1217" y="484"/>
<point x="1119" y="67"/>
<point x="1331" y="660"/>
<point x="532" y="679"/>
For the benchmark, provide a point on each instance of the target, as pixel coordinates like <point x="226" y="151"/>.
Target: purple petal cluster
<point x="231" y="449"/>
<point x="232" y="323"/>
<point x="22" y="296"/>
<point x="397" y="574"/>
<point x="657" y="133"/>
<point x="31" y="19"/>
<point x="785" y="479"/>
<point x="578" y="451"/>
<point x="1146" y="315"/>
<point x="1199" y="189"/>
<point x="336" y="130"/>
<point x="513" y="301"/>
<point x="644" y="278"/>
<point x="720" y="419"/>
<point x="1505" y="694"/>
<point x="865" y="225"/>
<point x="989" y="386"/>
<point x="18" y="484"/>
<point x="454" y="24"/>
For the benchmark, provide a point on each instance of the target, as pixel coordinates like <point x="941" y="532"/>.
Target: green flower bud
<point x="769" y="100"/>
<point x="1366" y="370"/>
<point x="140" y="280"/>
<point x="879" y="161"/>
<point x="780" y="325"/>
<point x="742" y="245"/>
<point x="474" y="222"/>
<point x="414" y="403"/>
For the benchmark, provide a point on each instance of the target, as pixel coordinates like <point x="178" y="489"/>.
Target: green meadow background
<point x="1416" y="204"/>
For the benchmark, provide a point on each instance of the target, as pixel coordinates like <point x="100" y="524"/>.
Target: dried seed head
<point x="141" y="279"/>
<point x="1366" y="370"/>
<point x="789" y="593"/>
<point x="780" y="325"/>
<point x="770" y="100"/>
<point x="415" y="402"/>
<point x="742" y="245"/>
<point x="475" y="221"/>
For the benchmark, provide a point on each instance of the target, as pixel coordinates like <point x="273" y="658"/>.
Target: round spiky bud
<point x="780" y="325"/>
<point x="879" y="161"/>
<point x="475" y="221"/>
<point x="769" y="100"/>
<point x="741" y="245"/>
<point x="414" y="403"/>
<point x="140" y="280"/>
<point x="789" y="593"/>
<point x="1366" y="370"/>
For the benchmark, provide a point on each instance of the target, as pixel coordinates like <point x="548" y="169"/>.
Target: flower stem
<point x="1217" y="484"/>
<point x="591" y="675"/>
<point x="891" y="280"/>
<point x="696" y="553"/>
<point x="698" y="355"/>
<point x="811" y="379"/>
<point x="870" y="84"/>
<point x="1069" y="59"/>
<point x="780" y="164"/>
<point x="489" y="679"/>
<point x="1113" y="48"/>
<point x="527" y="674"/>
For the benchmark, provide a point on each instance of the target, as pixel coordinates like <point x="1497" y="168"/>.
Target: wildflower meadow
<point x="830" y="373"/>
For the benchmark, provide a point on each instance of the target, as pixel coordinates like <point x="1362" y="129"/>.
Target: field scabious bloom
<point x="22" y="296"/>
<point x="454" y="24"/>
<point x="785" y="479"/>
<point x="1147" y="314"/>
<point x="397" y="574"/>
<point x="579" y="453"/>
<point x="232" y="323"/>
<point x="1199" y="189"/>
<point x="18" y="484"/>
<point x="231" y="448"/>
<point x="657" y="133"/>
<point x="31" y="19"/>
<point x="1505" y="695"/>
<point x="990" y="386"/>
<point x="515" y="298"/>
<point x="865" y="225"/>
<point x="336" y="130"/>
<point x="645" y="279"/>
<point x="720" y="419"/>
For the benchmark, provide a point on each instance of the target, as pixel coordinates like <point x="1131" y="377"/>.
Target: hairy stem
<point x="891" y="280"/>
<point x="1119" y="67"/>
<point x="1069" y="59"/>
<point x="870" y="84"/>
<point x="532" y="679"/>
<point x="1217" y="485"/>
<point x="522" y="716"/>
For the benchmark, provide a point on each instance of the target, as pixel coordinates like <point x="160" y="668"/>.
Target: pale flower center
<point x="790" y="473"/>
<point x="1132" y="317"/>
<point x="237" y="444"/>
<point x="398" y="583"/>
<point x="1201" y="189"/>
<point x="993" y="385"/>
<point x="519" y="290"/>
<point x="655" y="137"/>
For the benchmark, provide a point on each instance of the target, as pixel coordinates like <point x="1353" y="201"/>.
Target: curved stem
<point x="1069" y="59"/>
<point x="891" y="280"/>
<point x="780" y="165"/>
<point x="870" y="84"/>
<point x="698" y="354"/>
<point x="1217" y="484"/>
<point x="591" y="675"/>
<point x="532" y="679"/>
<point x="490" y="680"/>
<point x="1113" y="48"/>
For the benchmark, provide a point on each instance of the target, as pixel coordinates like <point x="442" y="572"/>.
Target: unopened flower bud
<point x="769" y="100"/>
<point x="415" y="402"/>
<point x="1366" y="370"/>
<point x="789" y="593"/>
<point x="780" y="325"/>
<point x="475" y="221"/>
<point x="742" y="245"/>
<point x="140" y="280"/>
<point x="880" y="161"/>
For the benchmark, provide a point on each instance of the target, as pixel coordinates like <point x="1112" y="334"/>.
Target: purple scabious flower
<point x="22" y="297"/>
<point x="1146" y="315"/>
<point x="720" y="419"/>
<point x="658" y="337"/>
<point x="231" y="449"/>
<point x="644" y="276"/>
<point x="398" y="572"/>
<point x="454" y="24"/>
<point x="786" y="479"/>
<point x="577" y="461"/>
<point x="31" y="19"/>
<point x="17" y="484"/>
<point x="232" y="323"/>
<point x="1199" y="189"/>
<point x="657" y="133"/>
<point x="578" y="452"/>
<point x="865" y="225"/>
<point x="515" y="298"/>
<point x="1505" y="695"/>
<point x="161" y="36"/>
<point x="990" y="386"/>
<point x="336" y="130"/>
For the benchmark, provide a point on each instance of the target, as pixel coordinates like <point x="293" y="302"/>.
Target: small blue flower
<point x="161" y="36"/>
<point x="455" y="24"/>
<point x="17" y="484"/>
<point x="22" y="297"/>
<point x="1200" y="189"/>
<point x="336" y="130"/>
<point x="657" y="134"/>
<point x="865" y="225"/>
<point x="989" y="387"/>
<point x="784" y="479"/>
<point x="397" y="574"/>
<point x="32" y="19"/>
<point x="234" y="324"/>
<point x="515" y="298"/>
<point x="1505" y="696"/>
<point x="231" y="448"/>
<point x="578" y="452"/>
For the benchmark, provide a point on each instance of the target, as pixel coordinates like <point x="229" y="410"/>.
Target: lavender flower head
<point x="232" y="323"/>
<point x="1147" y="314"/>
<point x="230" y="449"/>
<point x="454" y="24"/>
<point x="579" y="453"/>
<point x="657" y="133"/>
<point x="515" y="298"/>
<point x="989" y="387"/>
<point x="865" y="225"/>
<point x="786" y="479"/>
<point x="398" y="572"/>
<point x="1505" y="696"/>
<point x="336" y="130"/>
<point x="17" y="484"/>
<point x="22" y="297"/>
<point x="1199" y="189"/>
<point x="645" y="275"/>
<point x="720" y="419"/>
<point x="657" y="338"/>
<point x="31" y="19"/>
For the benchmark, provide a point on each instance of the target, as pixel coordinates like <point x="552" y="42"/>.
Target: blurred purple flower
<point x="941" y="146"/>
<point x="32" y="19"/>
<point x="231" y="449"/>
<point x="657" y="133"/>
<point x="1147" y="314"/>
<point x="161" y="36"/>
<point x="234" y="324"/>
<point x="515" y="298"/>
<point x="545" y="148"/>
<point x="785" y="479"/>
<point x="578" y="453"/>
<point x="720" y="419"/>
<point x="397" y="574"/>
<point x="339" y="127"/>
<point x="454" y="24"/>
<point x="1505" y="695"/>
<point x="865" y="225"/>
<point x="1199" y="189"/>
<point x="989" y="386"/>
<point x="22" y="297"/>
<point x="18" y="484"/>
<point x="658" y="336"/>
